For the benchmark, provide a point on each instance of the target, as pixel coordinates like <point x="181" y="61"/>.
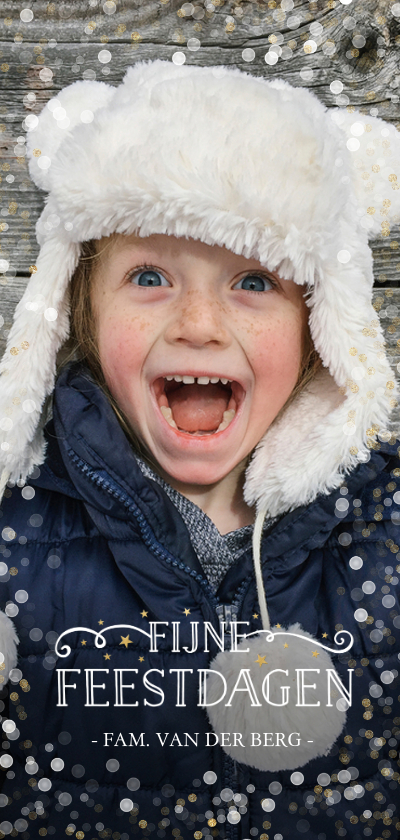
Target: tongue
<point x="198" y="408"/>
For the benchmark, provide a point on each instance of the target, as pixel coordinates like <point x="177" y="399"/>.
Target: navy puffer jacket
<point x="98" y="544"/>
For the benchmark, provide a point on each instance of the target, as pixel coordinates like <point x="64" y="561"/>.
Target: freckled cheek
<point x="123" y="345"/>
<point x="274" y="351"/>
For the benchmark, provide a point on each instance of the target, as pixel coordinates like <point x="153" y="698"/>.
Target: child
<point x="206" y="234"/>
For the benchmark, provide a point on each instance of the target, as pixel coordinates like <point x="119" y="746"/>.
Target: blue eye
<point x="254" y="283"/>
<point x="148" y="278"/>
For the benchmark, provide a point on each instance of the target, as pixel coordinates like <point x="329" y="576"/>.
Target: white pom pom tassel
<point x="278" y="696"/>
<point x="8" y="646"/>
<point x="275" y="736"/>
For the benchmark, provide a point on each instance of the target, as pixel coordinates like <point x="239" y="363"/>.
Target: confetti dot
<point x="87" y="116"/>
<point x="21" y="596"/>
<point x="36" y="520"/>
<point x="395" y="10"/>
<point x="112" y="765"/>
<point x="11" y="610"/>
<point x="126" y="804"/>
<point x="133" y="783"/>
<point x="179" y="58"/>
<point x="27" y="493"/>
<point x="64" y="738"/>
<point x="44" y="784"/>
<point x="4" y="266"/>
<point x="343" y="256"/>
<point x="9" y="726"/>
<point x="109" y="7"/>
<point x="234" y="817"/>
<point x="36" y="634"/>
<point x="26" y="15"/>
<point x="46" y="74"/>
<point x="271" y="58"/>
<point x="57" y="764"/>
<point x="168" y="791"/>
<point x="344" y="777"/>
<point x="357" y="129"/>
<point x="387" y="677"/>
<point x="368" y="587"/>
<point x="275" y="788"/>
<point x="336" y="86"/>
<point x="375" y="690"/>
<point x="210" y="777"/>
<point x="353" y="144"/>
<point x="53" y="561"/>
<point x="6" y="424"/>
<point x="78" y="770"/>
<point x="310" y="47"/>
<point x="44" y="162"/>
<point x="31" y="121"/>
<point x="388" y="601"/>
<point x="248" y="54"/>
<point x="297" y="778"/>
<point x="361" y="614"/>
<point x="193" y="44"/>
<point x="226" y="794"/>
<point x="28" y="406"/>
<point x="50" y="314"/>
<point x="104" y="56"/>
<point x="65" y="798"/>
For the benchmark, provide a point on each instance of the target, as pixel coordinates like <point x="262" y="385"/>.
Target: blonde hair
<point x="83" y="339"/>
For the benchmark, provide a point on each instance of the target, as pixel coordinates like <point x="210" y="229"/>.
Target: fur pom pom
<point x="278" y="699"/>
<point x="8" y="645"/>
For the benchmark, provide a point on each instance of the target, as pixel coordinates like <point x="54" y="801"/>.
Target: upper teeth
<point x="201" y="380"/>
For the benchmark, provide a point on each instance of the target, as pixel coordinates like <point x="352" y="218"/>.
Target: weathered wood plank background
<point x="47" y="45"/>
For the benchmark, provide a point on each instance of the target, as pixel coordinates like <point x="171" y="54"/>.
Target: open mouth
<point x="202" y="405"/>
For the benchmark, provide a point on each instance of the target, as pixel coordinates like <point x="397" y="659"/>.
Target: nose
<point x="200" y="319"/>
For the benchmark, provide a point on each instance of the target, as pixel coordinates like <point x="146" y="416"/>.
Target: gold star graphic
<point x="186" y="611"/>
<point x="125" y="640"/>
<point x="141" y="658"/>
<point x="278" y="625"/>
<point x="107" y="656"/>
<point x="261" y="660"/>
<point x="83" y="642"/>
<point x="324" y="635"/>
<point x="255" y="615"/>
<point x="286" y="645"/>
<point x="101" y="621"/>
<point x="315" y="653"/>
<point x="144" y="614"/>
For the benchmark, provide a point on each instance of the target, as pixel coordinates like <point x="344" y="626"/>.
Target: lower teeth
<point x="227" y="418"/>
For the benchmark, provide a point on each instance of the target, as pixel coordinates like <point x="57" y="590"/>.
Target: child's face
<point x="170" y="307"/>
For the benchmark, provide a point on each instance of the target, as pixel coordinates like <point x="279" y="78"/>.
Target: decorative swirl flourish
<point x="338" y="639"/>
<point x="99" y="639"/>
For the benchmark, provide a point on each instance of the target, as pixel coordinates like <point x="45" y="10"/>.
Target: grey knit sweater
<point x="216" y="552"/>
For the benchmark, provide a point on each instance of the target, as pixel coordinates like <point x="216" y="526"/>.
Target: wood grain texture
<point x="318" y="42"/>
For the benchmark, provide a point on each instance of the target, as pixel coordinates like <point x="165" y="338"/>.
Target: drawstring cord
<point x="257" y="537"/>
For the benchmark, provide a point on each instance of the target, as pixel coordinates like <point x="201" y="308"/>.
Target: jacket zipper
<point x="225" y="612"/>
<point x="147" y="534"/>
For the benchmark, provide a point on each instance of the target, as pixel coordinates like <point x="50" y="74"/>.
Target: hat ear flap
<point x="74" y="105"/>
<point x="28" y="367"/>
<point x="374" y="147"/>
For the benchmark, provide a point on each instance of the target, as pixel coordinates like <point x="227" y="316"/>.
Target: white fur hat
<point x="260" y="167"/>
